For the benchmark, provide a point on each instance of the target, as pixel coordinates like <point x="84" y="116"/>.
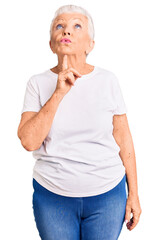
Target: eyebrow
<point x="73" y="19"/>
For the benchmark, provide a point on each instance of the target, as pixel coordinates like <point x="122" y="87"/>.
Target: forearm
<point x="127" y="154"/>
<point x="37" y="128"/>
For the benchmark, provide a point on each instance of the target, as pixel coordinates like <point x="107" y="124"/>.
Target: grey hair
<point x="74" y="8"/>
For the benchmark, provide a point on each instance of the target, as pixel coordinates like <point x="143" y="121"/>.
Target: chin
<point x="65" y="51"/>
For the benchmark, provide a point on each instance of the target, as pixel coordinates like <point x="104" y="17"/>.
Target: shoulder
<point x="107" y="75"/>
<point x="42" y="78"/>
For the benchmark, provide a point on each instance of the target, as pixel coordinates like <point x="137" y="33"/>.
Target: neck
<point x="75" y="61"/>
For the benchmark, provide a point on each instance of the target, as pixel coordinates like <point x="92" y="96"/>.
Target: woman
<point x="74" y="120"/>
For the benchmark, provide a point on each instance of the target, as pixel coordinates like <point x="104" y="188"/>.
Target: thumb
<point x="127" y="214"/>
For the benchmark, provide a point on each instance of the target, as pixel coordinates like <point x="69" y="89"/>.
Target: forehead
<point x="71" y="16"/>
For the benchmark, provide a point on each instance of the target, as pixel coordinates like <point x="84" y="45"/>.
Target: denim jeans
<point x="99" y="217"/>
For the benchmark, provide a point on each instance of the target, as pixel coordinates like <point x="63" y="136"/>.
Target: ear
<point x="51" y="46"/>
<point x="91" y="46"/>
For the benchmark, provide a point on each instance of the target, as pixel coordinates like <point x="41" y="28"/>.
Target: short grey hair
<point x="74" y="8"/>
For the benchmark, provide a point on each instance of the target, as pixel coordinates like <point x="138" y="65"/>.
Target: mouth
<point x="65" y="40"/>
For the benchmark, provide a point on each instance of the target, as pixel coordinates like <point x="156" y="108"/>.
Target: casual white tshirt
<point x="80" y="156"/>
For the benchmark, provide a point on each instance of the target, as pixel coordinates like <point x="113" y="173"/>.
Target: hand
<point x="66" y="77"/>
<point x="132" y="206"/>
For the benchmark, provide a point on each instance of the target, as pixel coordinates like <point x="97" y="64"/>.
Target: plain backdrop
<point x="126" y="43"/>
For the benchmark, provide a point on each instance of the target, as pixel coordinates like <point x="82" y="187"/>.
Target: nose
<point x="66" y="30"/>
<point x="65" y="33"/>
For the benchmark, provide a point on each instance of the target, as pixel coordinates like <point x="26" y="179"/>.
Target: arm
<point x="122" y="135"/>
<point x="35" y="130"/>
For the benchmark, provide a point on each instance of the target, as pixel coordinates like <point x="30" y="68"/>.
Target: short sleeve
<point x="120" y="106"/>
<point x="31" y="98"/>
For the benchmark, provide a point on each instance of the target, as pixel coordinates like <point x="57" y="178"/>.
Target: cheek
<point x="82" y="39"/>
<point x="54" y="35"/>
<point x="55" y="41"/>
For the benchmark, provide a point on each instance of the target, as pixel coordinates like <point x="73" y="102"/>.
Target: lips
<point x="65" y="40"/>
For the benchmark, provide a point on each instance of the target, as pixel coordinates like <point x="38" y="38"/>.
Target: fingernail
<point x="126" y="221"/>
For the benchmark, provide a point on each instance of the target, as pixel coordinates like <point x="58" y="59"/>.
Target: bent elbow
<point x="26" y="146"/>
<point x="28" y="149"/>
<point x="29" y="146"/>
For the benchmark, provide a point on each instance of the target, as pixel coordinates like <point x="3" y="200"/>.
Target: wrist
<point x="133" y="194"/>
<point x="58" y="95"/>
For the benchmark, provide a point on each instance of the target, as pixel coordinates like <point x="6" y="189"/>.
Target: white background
<point x="126" y="43"/>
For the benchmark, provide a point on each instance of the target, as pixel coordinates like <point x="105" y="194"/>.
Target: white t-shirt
<point x="79" y="157"/>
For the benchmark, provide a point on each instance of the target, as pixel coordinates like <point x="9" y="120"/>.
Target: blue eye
<point x="78" y="25"/>
<point x="61" y="25"/>
<point x="58" y="25"/>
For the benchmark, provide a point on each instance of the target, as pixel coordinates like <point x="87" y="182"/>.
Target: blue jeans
<point x="99" y="217"/>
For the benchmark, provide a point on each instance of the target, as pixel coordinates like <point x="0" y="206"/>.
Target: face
<point x="73" y="26"/>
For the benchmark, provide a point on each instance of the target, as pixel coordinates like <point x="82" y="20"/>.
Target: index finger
<point x="64" y="63"/>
